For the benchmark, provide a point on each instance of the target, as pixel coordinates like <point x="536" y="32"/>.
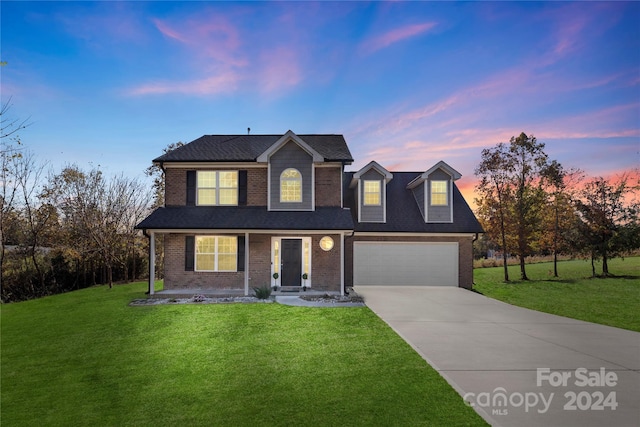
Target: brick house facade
<point x="241" y="208"/>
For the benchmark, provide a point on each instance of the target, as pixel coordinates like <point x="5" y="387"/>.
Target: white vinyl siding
<point x="405" y="263"/>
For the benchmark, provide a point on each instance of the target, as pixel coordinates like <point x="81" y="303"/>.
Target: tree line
<point x="529" y="205"/>
<point x="73" y="228"/>
<point x="67" y="229"/>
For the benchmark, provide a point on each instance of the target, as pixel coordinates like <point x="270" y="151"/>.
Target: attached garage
<point x="405" y="263"/>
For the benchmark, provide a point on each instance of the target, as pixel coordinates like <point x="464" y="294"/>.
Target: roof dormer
<point x="370" y="185"/>
<point x="433" y="191"/>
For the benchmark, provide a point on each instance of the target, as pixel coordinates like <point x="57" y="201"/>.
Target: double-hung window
<point x="372" y="193"/>
<point x="217" y="188"/>
<point x="216" y="253"/>
<point x="439" y="195"/>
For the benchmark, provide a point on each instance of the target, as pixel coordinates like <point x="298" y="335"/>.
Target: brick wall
<point x="257" y="187"/>
<point x="175" y="277"/>
<point x="259" y="261"/>
<point x="328" y="186"/>
<point x="465" y="252"/>
<point x="176" y="186"/>
<point x="325" y="266"/>
<point x="175" y="190"/>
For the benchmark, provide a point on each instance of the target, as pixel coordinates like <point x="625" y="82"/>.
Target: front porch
<point x="310" y="262"/>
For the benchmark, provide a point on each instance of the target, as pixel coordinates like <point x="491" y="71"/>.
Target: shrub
<point x="263" y="292"/>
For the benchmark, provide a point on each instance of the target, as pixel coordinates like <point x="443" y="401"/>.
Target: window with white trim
<point x="372" y="194"/>
<point x="439" y="194"/>
<point x="216" y="253"/>
<point x="217" y="188"/>
<point x="291" y="186"/>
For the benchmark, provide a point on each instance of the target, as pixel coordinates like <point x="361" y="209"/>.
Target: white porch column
<point x="342" y="264"/>
<point x="152" y="262"/>
<point x="246" y="264"/>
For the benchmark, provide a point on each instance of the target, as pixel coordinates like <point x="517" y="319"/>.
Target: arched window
<point x="291" y="186"/>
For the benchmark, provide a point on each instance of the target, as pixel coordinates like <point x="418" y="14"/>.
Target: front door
<point x="291" y="262"/>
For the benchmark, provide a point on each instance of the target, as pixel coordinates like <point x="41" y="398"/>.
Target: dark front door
<point x="291" y="262"/>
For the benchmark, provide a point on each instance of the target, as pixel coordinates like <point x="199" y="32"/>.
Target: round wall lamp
<point x="326" y="243"/>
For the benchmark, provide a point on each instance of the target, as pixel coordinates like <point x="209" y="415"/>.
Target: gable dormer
<point x="370" y="186"/>
<point x="433" y="191"/>
<point x="291" y="173"/>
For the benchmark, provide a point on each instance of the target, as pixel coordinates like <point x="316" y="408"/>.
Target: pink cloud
<point x="168" y="31"/>
<point x="394" y="36"/>
<point x="213" y="38"/>
<point x="603" y="123"/>
<point x="280" y="69"/>
<point x="222" y="61"/>
<point x="213" y="85"/>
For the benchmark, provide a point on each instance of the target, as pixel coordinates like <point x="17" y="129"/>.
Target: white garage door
<point x="415" y="264"/>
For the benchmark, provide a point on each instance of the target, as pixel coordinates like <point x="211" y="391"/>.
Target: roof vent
<point x="248" y="131"/>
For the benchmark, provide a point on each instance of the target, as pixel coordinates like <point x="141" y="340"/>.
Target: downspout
<point x="475" y="237"/>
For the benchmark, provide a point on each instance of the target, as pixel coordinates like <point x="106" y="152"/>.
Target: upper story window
<point x="439" y="196"/>
<point x="372" y="195"/>
<point x="217" y="188"/>
<point x="291" y="186"/>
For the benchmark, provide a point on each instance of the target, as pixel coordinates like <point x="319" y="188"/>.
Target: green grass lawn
<point x="87" y="358"/>
<point x="613" y="301"/>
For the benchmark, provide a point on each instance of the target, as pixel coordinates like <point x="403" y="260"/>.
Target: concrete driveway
<point x="517" y="367"/>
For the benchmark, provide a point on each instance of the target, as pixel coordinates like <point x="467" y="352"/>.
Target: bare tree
<point x="10" y="126"/>
<point x="103" y="212"/>
<point x="38" y="217"/>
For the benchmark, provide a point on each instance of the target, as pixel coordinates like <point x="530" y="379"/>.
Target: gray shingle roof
<point x="247" y="148"/>
<point x="246" y="218"/>
<point x="403" y="214"/>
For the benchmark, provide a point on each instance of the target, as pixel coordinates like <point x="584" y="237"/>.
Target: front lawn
<point x="87" y="358"/>
<point x="613" y="301"/>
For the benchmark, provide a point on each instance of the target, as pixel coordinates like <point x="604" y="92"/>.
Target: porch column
<point x="342" y="264"/>
<point x="152" y="262"/>
<point x="246" y="264"/>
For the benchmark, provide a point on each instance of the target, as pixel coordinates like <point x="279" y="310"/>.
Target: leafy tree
<point x="559" y="182"/>
<point x="528" y="158"/>
<point x="495" y="196"/>
<point x="157" y="173"/>
<point x="510" y="188"/>
<point x="609" y="218"/>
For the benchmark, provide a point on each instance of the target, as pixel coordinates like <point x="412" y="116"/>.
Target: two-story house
<point x="243" y="211"/>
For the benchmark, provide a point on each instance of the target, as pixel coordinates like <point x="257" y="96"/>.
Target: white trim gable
<point x="425" y="181"/>
<point x="289" y="136"/>
<point x="388" y="176"/>
<point x="356" y="181"/>
<point x="454" y="174"/>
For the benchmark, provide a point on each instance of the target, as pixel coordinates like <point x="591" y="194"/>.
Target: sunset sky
<point x="407" y="84"/>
